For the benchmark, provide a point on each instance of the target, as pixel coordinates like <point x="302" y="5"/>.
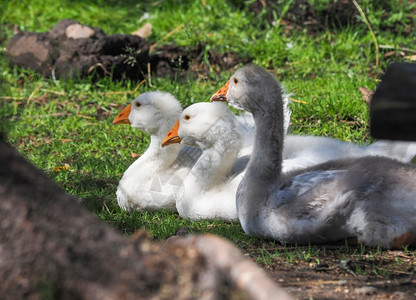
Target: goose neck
<point x="266" y="159"/>
<point x="213" y="167"/>
<point x="162" y="156"/>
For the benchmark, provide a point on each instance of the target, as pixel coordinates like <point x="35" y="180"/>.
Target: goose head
<point x="251" y="88"/>
<point x="152" y="112"/>
<point x="255" y="90"/>
<point x="205" y="125"/>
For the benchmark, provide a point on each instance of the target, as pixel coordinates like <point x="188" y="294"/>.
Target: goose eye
<point x="187" y="117"/>
<point x="138" y="104"/>
<point x="235" y="80"/>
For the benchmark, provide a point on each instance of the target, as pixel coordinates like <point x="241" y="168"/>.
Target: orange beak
<point x="221" y="95"/>
<point x="172" y="136"/>
<point x="123" y="116"/>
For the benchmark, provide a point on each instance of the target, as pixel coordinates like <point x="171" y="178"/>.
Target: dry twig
<point x="126" y="92"/>
<point x="166" y="36"/>
<point x="32" y="94"/>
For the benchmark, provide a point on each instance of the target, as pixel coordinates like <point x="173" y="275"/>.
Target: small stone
<point x="144" y="32"/>
<point x="366" y="290"/>
<point x="78" y="31"/>
<point x="183" y="231"/>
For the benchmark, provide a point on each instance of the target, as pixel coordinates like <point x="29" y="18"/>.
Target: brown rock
<point x="33" y="51"/>
<point x="78" y="31"/>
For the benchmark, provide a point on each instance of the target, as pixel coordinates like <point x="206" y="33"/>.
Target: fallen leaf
<point x="21" y="81"/>
<point x="367" y="94"/>
<point x="390" y="53"/>
<point x="397" y="53"/>
<point x="411" y="57"/>
<point x="65" y="167"/>
<point x="134" y="155"/>
<point x="66" y="140"/>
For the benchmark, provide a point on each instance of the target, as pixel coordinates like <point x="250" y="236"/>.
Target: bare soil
<point x="337" y="272"/>
<point x="181" y="63"/>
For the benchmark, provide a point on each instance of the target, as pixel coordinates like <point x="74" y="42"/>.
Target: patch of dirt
<point x="302" y="14"/>
<point x="71" y="49"/>
<point x="181" y="62"/>
<point x="335" y="14"/>
<point x="333" y="272"/>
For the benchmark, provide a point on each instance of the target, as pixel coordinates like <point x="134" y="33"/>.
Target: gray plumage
<point x="372" y="199"/>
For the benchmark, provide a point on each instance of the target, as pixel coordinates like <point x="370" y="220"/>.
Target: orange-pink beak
<point x="123" y="116"/>
<point x="221" y="95"/>
<point x="172" y="136"/>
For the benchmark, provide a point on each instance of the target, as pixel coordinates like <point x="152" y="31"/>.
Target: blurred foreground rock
<point x="51" y="247"/>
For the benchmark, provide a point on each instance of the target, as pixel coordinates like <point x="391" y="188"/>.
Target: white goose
<point x="154" y="181"/>
<point x="370" y="199"/>
<point x="209" y="188"/>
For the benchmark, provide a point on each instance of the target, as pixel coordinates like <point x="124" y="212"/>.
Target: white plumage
<point x="209" y="188"/>
<point x="154" y="180"/>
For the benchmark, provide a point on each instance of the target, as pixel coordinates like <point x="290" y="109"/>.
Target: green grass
<point x="65" y="127"/>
